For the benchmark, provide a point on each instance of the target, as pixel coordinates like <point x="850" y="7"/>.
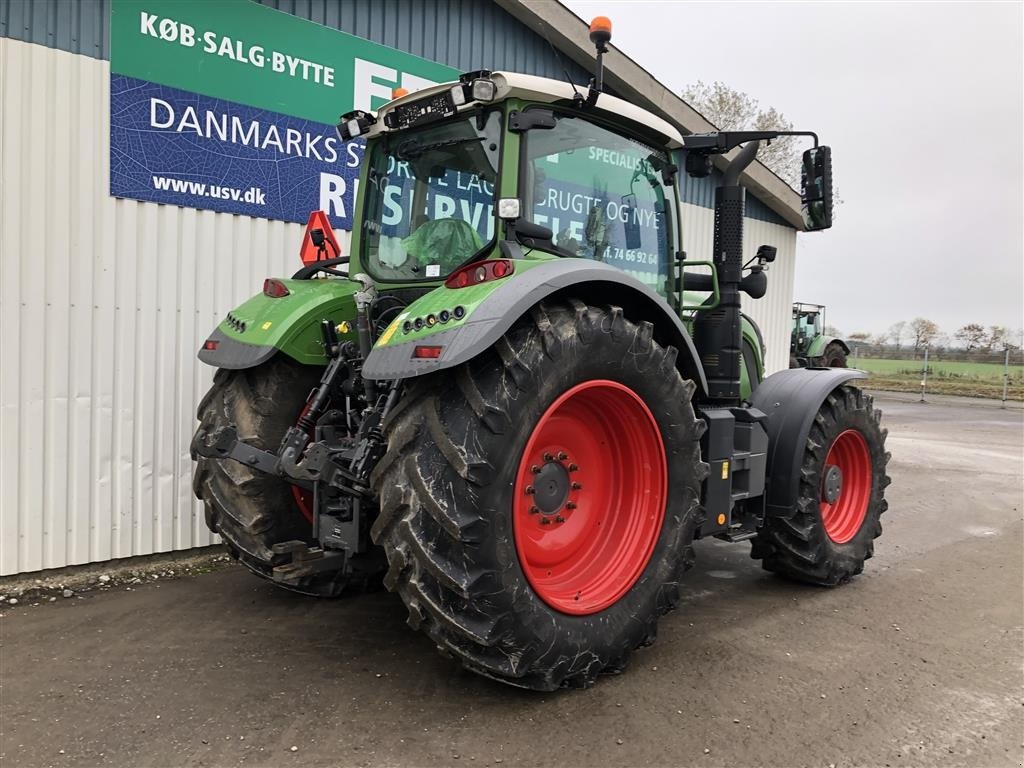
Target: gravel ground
<point x="916" y="663"/>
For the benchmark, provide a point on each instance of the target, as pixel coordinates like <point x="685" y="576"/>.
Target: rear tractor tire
<point x="538" y="503"/>
<point x="835" y="356"/>
<point x="841" y="498"/>
<point x="252" y="510"/>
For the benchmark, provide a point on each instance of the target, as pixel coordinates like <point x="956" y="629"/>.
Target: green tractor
<point x="809" y="346"/>
<point x="516" y="401"/>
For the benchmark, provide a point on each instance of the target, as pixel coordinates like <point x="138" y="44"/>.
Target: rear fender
<point x="261" y="327"/>
<point x="791" y="399"/>
<point x="492" y="308"/>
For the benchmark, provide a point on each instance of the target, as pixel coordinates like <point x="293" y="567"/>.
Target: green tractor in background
<point x="809" y="346"/>
<point x="517" y="402"/>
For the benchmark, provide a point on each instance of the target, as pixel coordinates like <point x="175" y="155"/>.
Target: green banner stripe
<point x="251" y="54"/>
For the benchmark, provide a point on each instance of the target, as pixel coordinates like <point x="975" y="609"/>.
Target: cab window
<point x="602" y="195"/>
<point x="429" y="201"/>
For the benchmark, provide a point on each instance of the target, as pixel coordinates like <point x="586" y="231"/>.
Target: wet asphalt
<point x="916" y="663"/>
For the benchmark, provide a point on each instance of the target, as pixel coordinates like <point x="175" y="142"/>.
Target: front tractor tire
<point x="538" y="503"/>
<point x="252" y="510"/>
<point x="832" y="530"/>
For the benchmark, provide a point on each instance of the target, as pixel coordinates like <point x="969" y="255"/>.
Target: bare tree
<point x="732" y="110"/>
<point x="972" y="336"/>
<point x="922" y="332"/>
<point x="831" y="330"/>
<point x="896" y="333"/>
<point x="999" y="339"/>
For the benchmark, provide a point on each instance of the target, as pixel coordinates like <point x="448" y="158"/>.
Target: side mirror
<point x="816" y="188"/>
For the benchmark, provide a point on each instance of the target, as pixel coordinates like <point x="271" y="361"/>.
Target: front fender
<point x="791" y="400"/>
<point x="492" y="308"/>
<point x="261" y="327"/>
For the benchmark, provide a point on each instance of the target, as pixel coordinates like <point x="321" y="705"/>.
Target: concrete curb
<point x="74" y="580"/>
<point x="947" y="400"/>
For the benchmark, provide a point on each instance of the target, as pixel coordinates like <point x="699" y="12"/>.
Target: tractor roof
<point x="545" y="90"/>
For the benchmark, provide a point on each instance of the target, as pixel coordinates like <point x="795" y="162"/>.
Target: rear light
<point x="210" y="344"/>
<point x="275" y="289"/>
<point x="426" y="353"/>
<point x="480" y="272"/>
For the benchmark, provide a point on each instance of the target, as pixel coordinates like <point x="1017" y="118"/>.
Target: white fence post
<point x="924" y="374"/>
<point x="1006" y="375"/>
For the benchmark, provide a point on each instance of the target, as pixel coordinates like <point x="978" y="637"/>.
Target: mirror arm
<point x="726" y="141"/>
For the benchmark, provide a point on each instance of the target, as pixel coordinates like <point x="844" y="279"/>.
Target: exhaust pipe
<point x="717" y="334"/>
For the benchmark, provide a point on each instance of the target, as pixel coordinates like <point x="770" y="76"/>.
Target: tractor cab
<point x="808" y="322"/>
<point x="454" y="171"/>
<point x="526" y="170"/>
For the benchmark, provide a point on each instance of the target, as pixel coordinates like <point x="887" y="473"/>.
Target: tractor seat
<point x="445" y="242"/>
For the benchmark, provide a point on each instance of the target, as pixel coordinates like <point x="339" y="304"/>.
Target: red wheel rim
<point x="845" y="513"/>
<point x="590" y="497"/>
<point x="304" y="498"/>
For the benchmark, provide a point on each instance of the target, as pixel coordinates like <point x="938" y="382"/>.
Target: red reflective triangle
<point x="309" y="253"/>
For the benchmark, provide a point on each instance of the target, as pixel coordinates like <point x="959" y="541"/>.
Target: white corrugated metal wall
<point x="103" y="304"/>
<point x="773" y="313"/>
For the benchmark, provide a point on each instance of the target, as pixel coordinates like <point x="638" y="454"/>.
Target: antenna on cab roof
<point x="600" y="35"/>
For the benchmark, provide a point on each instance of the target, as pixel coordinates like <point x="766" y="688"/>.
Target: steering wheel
<point x="324" y="265"/>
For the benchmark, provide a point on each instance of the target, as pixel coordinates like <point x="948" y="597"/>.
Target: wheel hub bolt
<point x="573" y="467"/>
<point x="548" y="457"/>
<point x="562" y="455"/>
<point x="530" y="490"/>
<point x="577" y="486"/>
<point x="559" y="519"/>
<point x="534" y="510"/>
<point x="545" y="521"/>
<point x="535" y="469"/>
<point x="570" y="505"/>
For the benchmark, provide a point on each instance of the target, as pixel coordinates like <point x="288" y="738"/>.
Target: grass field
<point x="944" y="377"/>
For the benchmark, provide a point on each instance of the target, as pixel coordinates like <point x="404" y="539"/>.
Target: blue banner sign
<point x="181" y="148"/>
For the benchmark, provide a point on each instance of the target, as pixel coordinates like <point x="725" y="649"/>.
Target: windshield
<point x="429" y="202"/>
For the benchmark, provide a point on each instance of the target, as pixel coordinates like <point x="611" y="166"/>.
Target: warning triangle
<point x="310" y="252"/>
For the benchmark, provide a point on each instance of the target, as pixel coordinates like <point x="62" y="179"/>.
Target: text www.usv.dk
<point x="252" y="195"/>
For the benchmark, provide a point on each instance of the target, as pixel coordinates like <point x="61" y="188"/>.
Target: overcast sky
<point x="923" y="105"/>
